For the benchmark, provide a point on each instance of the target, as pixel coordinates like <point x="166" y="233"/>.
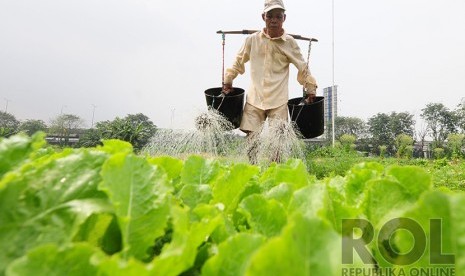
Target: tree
<point x="65" y="125"/>
<point x="382" y="150"/>
<point x="90" y="138"/>
<point x="460" y="115"/>
<point x="136" y="129"/>
<point x="351" y="126"/>
<point x="401" y="123"/>
<point x="381" y="135"/>
<point x="420" y="136"/>
<point x="32" y="126"/>
<point x="8" y="124"/>
<point x="440" y="122"/>
<point x="455" y="143"/>
<point x="404" y="146"/>
<point x="385" y="128"/>
<point x="347" y="141"/>
<point x="438" y="153"/>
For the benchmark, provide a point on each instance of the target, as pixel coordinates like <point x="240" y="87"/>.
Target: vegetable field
<point x="109" y="211"/>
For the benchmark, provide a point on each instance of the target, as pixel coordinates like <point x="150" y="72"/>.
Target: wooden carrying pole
<point x="254" y="31"/>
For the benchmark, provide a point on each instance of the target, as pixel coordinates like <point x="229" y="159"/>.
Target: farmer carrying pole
<point x="270" y="52"/>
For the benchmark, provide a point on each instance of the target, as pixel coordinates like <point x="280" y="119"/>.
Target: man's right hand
<point x="227" y="88"/>
<point x="310" y="98"/>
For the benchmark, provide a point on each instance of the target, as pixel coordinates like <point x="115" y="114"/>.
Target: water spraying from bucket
<point x="276" y="141"/>
<point x="212" y="121"/>
<point x="211" y="138"/>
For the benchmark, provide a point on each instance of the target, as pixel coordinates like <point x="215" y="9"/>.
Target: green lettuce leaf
<point x="444" y="236"/>
<point x="139" y="192"/>
<point x="357" y="179"/>
<point x="308" y="201"/>
<point x="113" y="146"/>
<point x="414" y="180"/>
<point x="226" y="227"/>
<point x="179" y="255"/>
<point x="228" y="189"/>
<point x="305" y="247"/>
<point x="115" y="266"/>
<point x="281" y="193"/>
<point x="198" y="170"/>
<point x="193" y="195"/>
<point x="292" y="172"/>
<point x="389" y="196"/>
<point x="48" y="200"/>
<point x="101" y="230"/>
<point x="49" y="260"/>
<point x="233" y="255"/>
<point x="172" y="166"/>
<point x="264" y="216"/>
<point x="336" y="206"/>
<point x="385" y="199"/>
<point x="17" y="149"/>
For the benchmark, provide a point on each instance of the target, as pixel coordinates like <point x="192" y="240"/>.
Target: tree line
<point x="395" y="133"/>
<point x="392" y="134"/>
<point x="136" y="129"/>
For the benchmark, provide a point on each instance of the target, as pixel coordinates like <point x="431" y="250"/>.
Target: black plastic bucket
<point x="230" y="106"/>
<point x="309" y="118"/>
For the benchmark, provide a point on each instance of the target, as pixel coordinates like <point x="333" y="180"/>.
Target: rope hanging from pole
<point x="222" y="71"/>
<point x="309" y="50"/>
<point x="308" y="62"/>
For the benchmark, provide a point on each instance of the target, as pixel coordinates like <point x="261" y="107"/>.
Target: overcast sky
<point x="157" y="57"/>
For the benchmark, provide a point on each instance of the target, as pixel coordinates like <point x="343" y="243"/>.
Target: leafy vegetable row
<point x="108" y="211"/>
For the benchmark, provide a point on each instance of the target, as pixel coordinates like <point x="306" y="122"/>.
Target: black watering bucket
<point x="230" y="105"/>
<point x="309" y="118"/>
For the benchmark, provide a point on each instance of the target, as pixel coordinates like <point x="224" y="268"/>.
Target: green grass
<point x="329" y="162"/>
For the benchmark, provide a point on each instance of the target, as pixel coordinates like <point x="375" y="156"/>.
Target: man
<point x="270" y="52"/>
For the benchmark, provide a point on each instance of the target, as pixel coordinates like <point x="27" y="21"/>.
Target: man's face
<point x="274" y="19"/>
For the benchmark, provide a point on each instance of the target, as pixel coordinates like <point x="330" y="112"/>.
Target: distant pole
<point x="62" y="135"/>
<point x="172" y="116"/>
<point x="6" y="106"/>
<point x="332" y="98"/>
<point x="93" y="113"/>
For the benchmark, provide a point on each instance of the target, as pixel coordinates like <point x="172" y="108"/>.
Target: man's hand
<point x="227" y="88"/>
<point x="310" y="98"/>
<point x="310" y="92"/>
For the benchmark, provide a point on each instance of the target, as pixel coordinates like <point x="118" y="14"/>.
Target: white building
<point x="330" y="94"/>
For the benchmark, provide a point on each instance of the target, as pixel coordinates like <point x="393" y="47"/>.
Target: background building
<point x="330" y="94"/>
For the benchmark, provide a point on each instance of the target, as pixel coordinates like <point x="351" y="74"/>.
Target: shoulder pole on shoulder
<point x="254" y="31"/>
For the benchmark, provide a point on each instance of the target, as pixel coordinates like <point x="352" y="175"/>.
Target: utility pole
<point x="93" y="113"/>
<point x="62" y="122"/>
<point x="172" y="116"/>
<point x="6" y="106"/>
<point x="333" y="88"/>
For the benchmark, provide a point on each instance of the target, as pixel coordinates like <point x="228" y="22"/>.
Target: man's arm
<point x="238" y="66"/>
<point x="304" y="77"/>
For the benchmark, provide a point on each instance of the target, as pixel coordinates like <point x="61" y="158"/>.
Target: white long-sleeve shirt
<point x="269" y="68"/>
